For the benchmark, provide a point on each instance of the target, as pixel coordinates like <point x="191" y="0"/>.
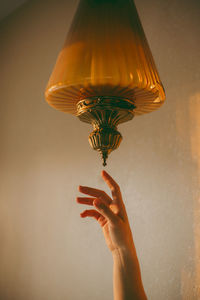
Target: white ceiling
<point x="8" y="6"/>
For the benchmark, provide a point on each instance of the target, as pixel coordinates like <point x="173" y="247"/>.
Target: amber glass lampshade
<point x="105" y="73"/>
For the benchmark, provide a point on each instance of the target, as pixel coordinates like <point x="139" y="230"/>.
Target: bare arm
<point x="127" y="282"/>
<point x="111" y="215"/>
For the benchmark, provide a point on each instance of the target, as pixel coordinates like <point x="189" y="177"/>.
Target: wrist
<point x="125" y="256"/>
<point x="128" y="251"/>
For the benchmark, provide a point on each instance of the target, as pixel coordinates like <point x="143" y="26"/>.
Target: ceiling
<point x="8" y="6"/>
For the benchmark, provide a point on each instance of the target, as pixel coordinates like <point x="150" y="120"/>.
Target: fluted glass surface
<point x="105" y="54"/>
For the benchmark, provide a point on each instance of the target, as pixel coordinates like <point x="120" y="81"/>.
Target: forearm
<point x="127" y="282"/>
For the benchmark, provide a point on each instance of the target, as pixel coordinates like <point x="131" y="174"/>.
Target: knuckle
<point x="99" y="204"/>
<point x="115" y="188"/>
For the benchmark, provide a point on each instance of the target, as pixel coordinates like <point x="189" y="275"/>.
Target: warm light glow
<point x="195" y="147"/>
<point x="191" y="279"/>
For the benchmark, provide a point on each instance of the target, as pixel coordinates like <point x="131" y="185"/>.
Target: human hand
<point x="110" y="214"/>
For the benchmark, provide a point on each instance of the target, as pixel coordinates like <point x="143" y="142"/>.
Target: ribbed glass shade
<point x="105" y="54"/>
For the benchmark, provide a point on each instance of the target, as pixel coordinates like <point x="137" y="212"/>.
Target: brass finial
<point x="105" y="140"/>
<point x="104" y="156"/>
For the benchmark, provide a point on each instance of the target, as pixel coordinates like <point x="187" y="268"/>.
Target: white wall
<point x="46" y="251"/>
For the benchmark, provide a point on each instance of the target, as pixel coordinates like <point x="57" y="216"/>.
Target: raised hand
<point x="110" y="213"/>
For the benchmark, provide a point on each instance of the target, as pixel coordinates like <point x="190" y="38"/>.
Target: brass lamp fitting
<point x="105" y="113"/>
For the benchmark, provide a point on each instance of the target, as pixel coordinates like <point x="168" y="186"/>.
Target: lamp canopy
<point x="105" y="73"/>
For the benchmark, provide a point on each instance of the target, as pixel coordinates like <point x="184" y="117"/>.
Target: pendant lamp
<point x="105" y="73"/>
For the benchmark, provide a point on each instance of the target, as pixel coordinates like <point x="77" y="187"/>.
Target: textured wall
<point x="46" y="251"/>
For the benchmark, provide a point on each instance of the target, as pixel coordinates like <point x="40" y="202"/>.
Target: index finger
<point x="115" y="189"/>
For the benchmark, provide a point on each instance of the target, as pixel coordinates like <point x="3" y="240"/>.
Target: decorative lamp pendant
<point x="105" y="73"/>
